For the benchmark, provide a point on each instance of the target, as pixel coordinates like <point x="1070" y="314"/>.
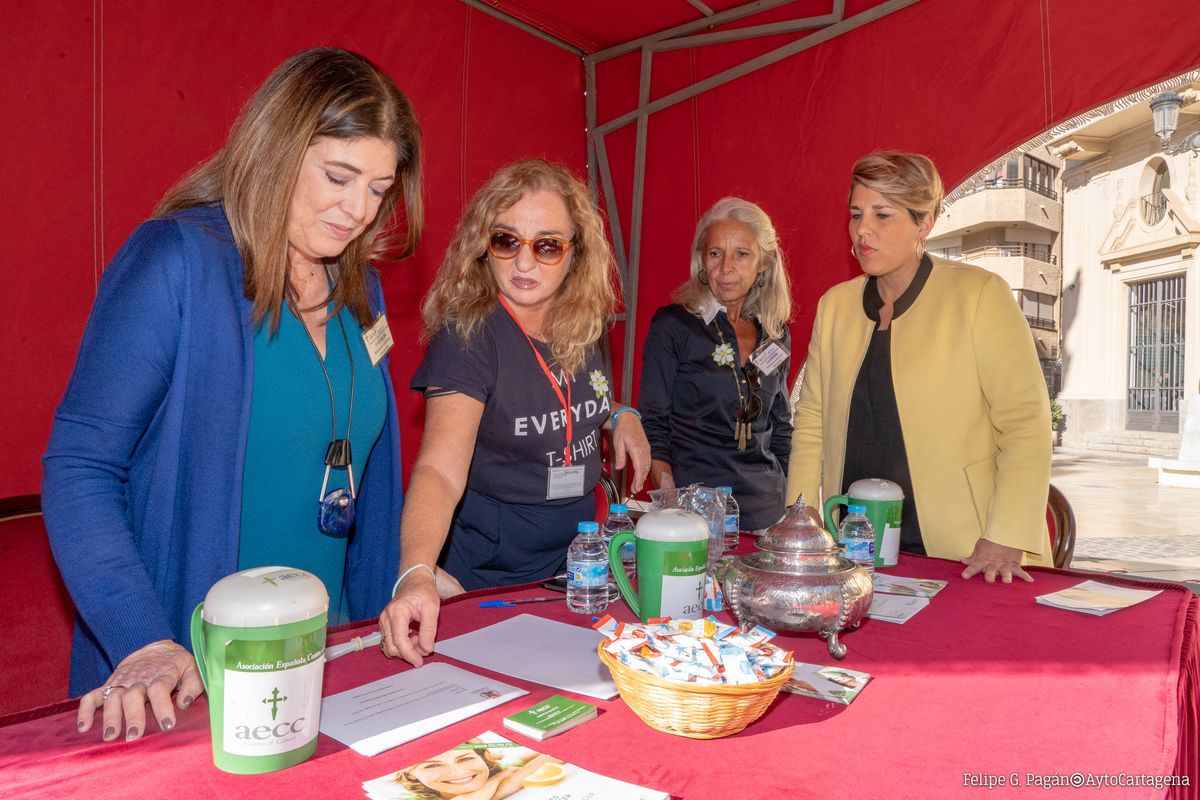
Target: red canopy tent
<point x="110" y="101"/>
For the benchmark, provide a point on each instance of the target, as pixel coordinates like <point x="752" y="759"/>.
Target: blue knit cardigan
<point x="142" y="478"/>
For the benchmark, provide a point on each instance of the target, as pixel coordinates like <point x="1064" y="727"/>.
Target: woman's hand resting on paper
<point x="151" y="674"/>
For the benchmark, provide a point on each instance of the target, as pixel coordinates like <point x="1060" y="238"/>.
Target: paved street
<point x="1126" y="522"/>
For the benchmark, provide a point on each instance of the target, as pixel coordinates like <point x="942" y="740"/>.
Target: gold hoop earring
<point x="702" y="276"/>
<point x="853" y="252"/>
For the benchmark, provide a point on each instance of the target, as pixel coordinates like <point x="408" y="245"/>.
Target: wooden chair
<point x="36" y="613"/>
<point x="1062" y="527"/>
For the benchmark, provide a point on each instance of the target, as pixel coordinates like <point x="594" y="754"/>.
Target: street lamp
<point x="1165" y="109"/>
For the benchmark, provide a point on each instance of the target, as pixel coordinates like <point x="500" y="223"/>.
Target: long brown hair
<point x="322" y="92"/>
<point x="464" y="291"/>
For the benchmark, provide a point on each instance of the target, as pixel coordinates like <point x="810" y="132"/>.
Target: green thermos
<point x="259" y="642"/>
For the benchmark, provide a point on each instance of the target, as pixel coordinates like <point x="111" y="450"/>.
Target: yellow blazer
<point x="973" y="409"/>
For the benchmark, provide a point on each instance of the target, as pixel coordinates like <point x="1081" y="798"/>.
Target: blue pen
<point x="509" y="603"/>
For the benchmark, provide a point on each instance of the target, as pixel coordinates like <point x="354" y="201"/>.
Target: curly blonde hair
<point x="772" y="301"/>
<point x="464" y="291"/>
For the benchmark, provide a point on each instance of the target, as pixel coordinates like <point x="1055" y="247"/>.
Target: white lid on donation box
<point x="263" y="596"/>
<point x="875" y="489"/>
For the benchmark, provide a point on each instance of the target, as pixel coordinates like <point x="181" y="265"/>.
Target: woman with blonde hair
<point x="516" y="396"/>
<point x="470" y="772"/>
<point x="923" y="372"/>
<point x="226" y="398"/>
<point x="715" y="364"/>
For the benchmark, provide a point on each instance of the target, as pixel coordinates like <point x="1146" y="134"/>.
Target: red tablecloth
<point x="980" y="685"/>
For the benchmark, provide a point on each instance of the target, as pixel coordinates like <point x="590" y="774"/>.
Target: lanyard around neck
<point x="565" y="400"/>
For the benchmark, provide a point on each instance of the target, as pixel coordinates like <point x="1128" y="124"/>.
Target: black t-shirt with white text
<point x="523" y="429"/>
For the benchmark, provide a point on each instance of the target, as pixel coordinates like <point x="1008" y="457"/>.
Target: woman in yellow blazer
<point x="923" y="371"/>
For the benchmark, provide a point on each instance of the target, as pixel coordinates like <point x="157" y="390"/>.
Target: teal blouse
<point x="290" y="428"/>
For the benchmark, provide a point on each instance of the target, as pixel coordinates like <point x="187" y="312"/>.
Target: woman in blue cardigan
<point x="227" y="348"/>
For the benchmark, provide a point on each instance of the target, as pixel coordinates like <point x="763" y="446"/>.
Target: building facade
<point x="1008" y="220"/>
<point x="1130" y="313"/>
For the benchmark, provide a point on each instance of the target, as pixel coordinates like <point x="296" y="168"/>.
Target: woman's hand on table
<point x="629" y="441"/>
<point x="151" y="674"/>
<point x="995" y="560"/>
<point x="416" y="600"/>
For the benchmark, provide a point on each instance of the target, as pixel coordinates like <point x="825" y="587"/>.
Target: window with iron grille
<point x="1156" y="353"/>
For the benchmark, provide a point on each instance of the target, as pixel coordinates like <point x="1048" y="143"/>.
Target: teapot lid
<point x="797" y="533"/>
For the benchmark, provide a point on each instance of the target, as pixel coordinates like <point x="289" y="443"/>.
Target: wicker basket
<point x="693" y="710"/>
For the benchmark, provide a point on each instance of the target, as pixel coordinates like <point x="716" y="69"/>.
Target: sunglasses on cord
<point x="548" y="250"/>
<point x="754" y="404"/>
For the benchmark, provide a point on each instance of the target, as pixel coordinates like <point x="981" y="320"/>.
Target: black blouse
<point x="687" y="400"/>
<point x="874" y="438"/>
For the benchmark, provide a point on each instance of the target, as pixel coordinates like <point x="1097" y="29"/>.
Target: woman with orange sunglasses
<point x="516" y="396"/>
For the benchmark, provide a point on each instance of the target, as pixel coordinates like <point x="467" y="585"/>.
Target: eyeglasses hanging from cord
<point x="749" y="408"/>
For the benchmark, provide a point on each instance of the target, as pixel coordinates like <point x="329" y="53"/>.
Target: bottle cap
<point x="856" y="509"/>
<point x="589" y="527"/>
<point x="618" y="508"/>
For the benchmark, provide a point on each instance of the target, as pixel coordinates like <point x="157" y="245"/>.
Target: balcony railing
<point x="1018" y="183"/>
<point x="1037" y="252"/>
<point x="1154" y="208"/>
<point x="1044" y="323"/>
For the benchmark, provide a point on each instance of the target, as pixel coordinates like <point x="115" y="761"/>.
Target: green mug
<point x="884" y="501"/>
<point x="672" y="556"/>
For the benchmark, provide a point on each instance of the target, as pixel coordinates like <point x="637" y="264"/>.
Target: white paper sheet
<point x="391" y="711"/>
<point x="539" y="650"/>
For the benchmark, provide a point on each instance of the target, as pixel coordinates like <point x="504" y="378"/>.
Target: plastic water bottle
<point x="858" y="536"/>
<point x="733" y="519"/>
<point x="618" y="520"/>
<point x="587" y="571"/>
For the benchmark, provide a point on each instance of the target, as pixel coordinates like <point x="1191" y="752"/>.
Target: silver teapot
<point x="798" y="583"/>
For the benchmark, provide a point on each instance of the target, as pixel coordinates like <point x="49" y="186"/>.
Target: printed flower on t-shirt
<point x="599" y="382"/>
<point x="723" y="354"/>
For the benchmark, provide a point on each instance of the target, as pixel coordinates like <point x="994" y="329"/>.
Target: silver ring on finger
<point x="112" y="688"/>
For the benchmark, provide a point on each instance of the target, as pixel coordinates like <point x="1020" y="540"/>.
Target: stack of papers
<point x="896" y="607"/>
<point x="898" y="599"/>
<point x="491" y="766"/>
<point x="912" y="587"/>
<point x="389" y="712"/>
<point x="1096" y="598"/>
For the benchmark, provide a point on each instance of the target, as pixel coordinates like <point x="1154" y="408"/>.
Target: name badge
<point x="768" y="357"/>
<point x="378" y="340"/>
<point x="564" y="482"/>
